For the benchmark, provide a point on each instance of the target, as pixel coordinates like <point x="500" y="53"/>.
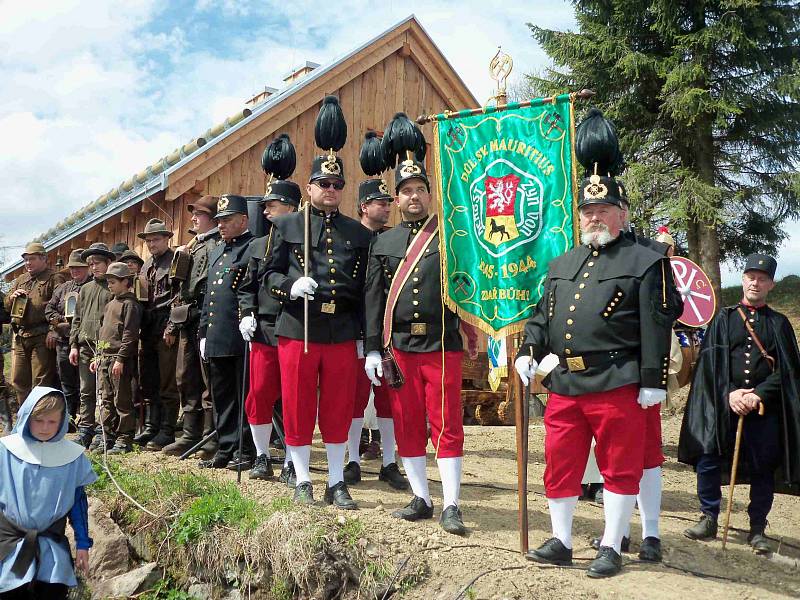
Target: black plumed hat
<point x="330" y="130"/>
<point x="371" y="155"/>
<point x="597" y="146"/>
<point x="402" y="138"/>
<point x="279" y="159"/>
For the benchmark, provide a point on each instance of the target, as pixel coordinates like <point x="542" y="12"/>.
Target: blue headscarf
<point x="38" y="481"/>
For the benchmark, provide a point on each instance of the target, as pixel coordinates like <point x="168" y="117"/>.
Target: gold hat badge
<point x="223" y="203"/>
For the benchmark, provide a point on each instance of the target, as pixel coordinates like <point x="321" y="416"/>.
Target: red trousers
<point x="653" y="455"/>
<point x="383" y="404"/>
<point x="422" y="394"/>
<point x="330" y="367"/>
<point x="265" y="384"/>
<point x="617" y="423"/>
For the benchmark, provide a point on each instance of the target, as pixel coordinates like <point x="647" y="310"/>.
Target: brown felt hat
<point x="153" y="227"/>
<point x="206" y="204"/>
<point x="119" y="270"/>
<point x="131" y="255"/>
<point x="75" y="259"/>
<point x="98" y="249"/>
<point x="34" y="248"/>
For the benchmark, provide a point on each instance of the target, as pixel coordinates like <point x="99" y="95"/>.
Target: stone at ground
<point x="109" y="555"/>
<point x="201" y="591"/>
<point x="128" y="584"/>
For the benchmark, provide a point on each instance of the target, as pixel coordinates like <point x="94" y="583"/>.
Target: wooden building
<point x="400" y="69"/>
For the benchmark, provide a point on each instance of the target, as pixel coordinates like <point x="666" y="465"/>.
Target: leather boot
<point x="706" y="529"/>
<point x="166" y="430"/>
<point x="210" y="449"/>
<point x="152" y="414"/>
<point x="192" y="430"/>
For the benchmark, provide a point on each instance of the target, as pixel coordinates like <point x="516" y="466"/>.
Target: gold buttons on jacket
<point x="568" y="336"/>
<point x="577" y="296"/>
<point x="572" y="308"/>
<point x="570" y="321"/>
<point x="416" y="315"/>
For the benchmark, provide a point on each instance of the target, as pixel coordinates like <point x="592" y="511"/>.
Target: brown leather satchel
<point x="392" y="374"/>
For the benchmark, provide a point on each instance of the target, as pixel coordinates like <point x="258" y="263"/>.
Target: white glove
<point x="360" y="348"/>
<point x="247" y="327"/>
<point x="651" y="396"/>
<point x="526" y="367"/>
<point x="203" y="348"/>
<point x="304" y="285"/>
<point x="373" y="368"/>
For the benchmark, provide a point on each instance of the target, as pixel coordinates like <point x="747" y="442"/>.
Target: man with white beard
<point x="605" y="313"/>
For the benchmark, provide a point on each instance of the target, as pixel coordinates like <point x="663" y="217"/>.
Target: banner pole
<point x="584" y="94"/>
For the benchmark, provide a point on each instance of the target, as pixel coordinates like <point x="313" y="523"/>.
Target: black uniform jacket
<point x="606" y="313"/>
<point x="420" y="300"/>
<point x="338" y="254"/>
<point x="706" y="419"/>
<point x="674" y="298"/>
<point x="219" y="319"/>
<point x="254" y="299"/>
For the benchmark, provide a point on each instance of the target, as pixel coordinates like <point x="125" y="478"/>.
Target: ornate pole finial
<point x="500" y="68"/>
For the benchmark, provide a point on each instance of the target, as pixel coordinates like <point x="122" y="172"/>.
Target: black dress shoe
<point x="217" y="462"/>
<point x="415" y="510"/>
<point x="352" y="473"/>
<point x="246" y="464"/>
<point x="339" y="496"/>
<point x="607" y="563"/>
<point x="625" y="546"/>
<point x="121" y="448"/>
<point x="552" y="552"/>
<point x="288" y="476"/>
<point x="758" y="542"/>
<point x="650" y="549"/>
<point x="262" y="468"/>
<point x="706" y="529"/>
<point x="452" y="521"/>
<point x="304" y="493"/>
<point x="391" y="474"/>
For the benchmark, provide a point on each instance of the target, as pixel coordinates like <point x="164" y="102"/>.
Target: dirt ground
<point x="489" y="502"/>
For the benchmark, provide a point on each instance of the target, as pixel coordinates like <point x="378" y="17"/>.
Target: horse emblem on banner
<point x="501" y="195"/>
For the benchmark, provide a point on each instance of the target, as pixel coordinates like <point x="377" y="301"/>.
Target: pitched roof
<point x="155" y="177"/>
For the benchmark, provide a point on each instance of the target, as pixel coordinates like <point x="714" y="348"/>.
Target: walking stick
<point x="306" y="236"/>
<point x="521" y="418"/>
<point x="245" y="383"/>
<point x="734" y="468"/>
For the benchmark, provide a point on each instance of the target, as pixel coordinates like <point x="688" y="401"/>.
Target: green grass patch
<point x="226" y="507"/>
<point x="166" y="590"/>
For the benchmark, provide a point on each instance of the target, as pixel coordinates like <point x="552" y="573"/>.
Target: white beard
<point x="596" y="238"/>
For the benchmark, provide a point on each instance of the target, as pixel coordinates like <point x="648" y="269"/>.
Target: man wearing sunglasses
<point x="335" y="290"/>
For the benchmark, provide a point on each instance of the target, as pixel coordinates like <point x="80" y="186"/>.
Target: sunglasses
<point x="337" y="185"/>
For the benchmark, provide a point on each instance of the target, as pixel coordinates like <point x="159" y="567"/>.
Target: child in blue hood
<point x="42" y="479"/>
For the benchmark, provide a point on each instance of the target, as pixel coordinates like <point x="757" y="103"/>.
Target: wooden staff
<point x="734" y="467"/>
<point x="521" y="418"/>
<point x="306" y="237"/>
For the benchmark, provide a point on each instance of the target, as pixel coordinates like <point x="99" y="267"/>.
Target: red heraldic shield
<point x="501" y="196"/>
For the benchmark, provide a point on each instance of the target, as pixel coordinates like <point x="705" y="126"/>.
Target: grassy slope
<point x="784" y="298"/>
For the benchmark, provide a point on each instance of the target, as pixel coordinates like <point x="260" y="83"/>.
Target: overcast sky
<point x="95" y="90"/>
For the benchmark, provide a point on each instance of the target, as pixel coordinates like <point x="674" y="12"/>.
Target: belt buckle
<point x="328" y="308"/>
<point x="419" y="329"/>
<point x="575" y="363"/>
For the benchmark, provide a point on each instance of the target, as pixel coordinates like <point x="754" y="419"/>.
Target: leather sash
<point x="770" y="360"/>
<point x="413" y="254"/>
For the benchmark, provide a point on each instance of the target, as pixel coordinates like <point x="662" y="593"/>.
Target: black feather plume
<point x="596" y="142"/>
<point x="330" y="130"/>
<point x="371" y="155"/>
<point x="279" y="159"/>
<point x="401" y="136"/>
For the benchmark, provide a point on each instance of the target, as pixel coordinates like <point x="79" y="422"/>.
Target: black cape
<point x="706" y="419"/>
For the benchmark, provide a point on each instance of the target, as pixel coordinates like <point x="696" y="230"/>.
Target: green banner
<point x="506" y="207"/>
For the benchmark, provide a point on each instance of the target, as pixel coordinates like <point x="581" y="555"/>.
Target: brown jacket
<point x="120" y="327"/>
<point x="54" y="311"/>
<point x="40" y="289"/>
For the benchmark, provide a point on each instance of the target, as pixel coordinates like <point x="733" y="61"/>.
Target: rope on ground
<point x="472" y="581"/>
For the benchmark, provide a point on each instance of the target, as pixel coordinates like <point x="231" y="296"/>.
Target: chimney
<point x="261" y="96"/>
<point x="299" y="72"/>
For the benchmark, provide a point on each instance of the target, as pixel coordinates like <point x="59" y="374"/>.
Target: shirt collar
<point x="322" y="213"/>
<point x="414" y="224"/>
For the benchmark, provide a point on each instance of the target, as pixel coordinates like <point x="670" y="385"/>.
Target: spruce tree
<point x="706" y="98"/>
